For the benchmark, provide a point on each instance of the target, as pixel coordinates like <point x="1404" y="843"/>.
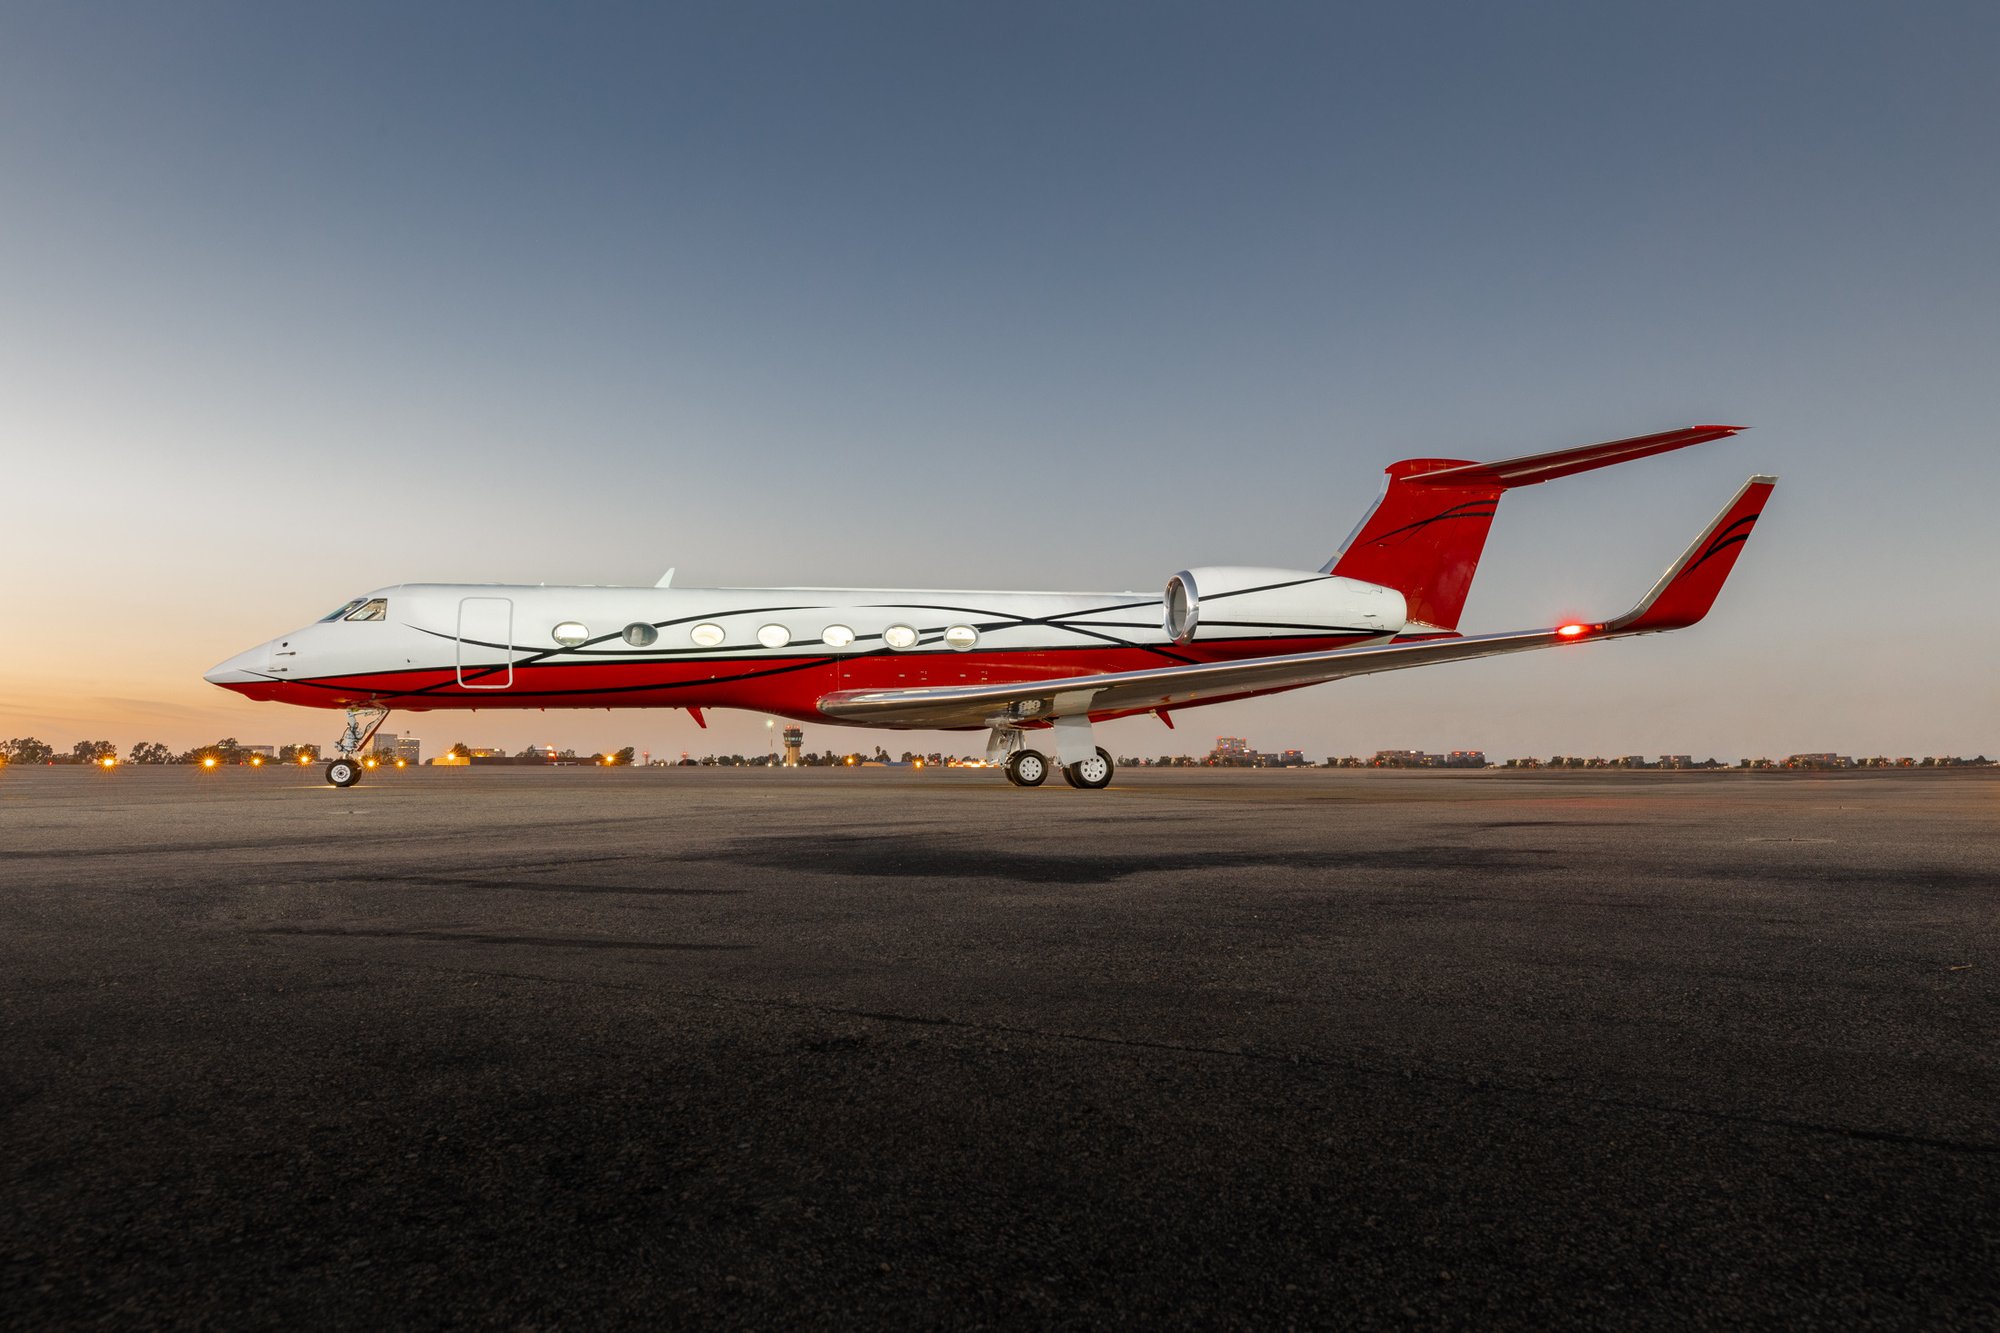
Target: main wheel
<point x="1027" y="768"/>
<point x="343" y="772"/>
<point x="1090" y="773"/>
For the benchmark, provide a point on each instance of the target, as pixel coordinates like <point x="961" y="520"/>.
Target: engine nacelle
<point x="1243" y="602"/>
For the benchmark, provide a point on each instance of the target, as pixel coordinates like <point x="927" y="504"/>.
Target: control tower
<point x="794" y="738"/>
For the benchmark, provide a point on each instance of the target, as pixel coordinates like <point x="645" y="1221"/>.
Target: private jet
<point x="1034" y="670"/>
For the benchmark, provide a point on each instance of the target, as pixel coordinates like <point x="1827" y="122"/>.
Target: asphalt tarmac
<point x="580" y="1048"/>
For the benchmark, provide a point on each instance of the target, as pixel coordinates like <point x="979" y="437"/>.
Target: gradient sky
<point x="297" y="301"/>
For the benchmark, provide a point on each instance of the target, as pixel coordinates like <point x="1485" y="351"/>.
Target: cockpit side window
<point x="342" y="612"/>
<point x="375" y="608"/>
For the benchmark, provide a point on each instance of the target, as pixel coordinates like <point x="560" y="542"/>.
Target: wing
<point x="1682" y="597"/>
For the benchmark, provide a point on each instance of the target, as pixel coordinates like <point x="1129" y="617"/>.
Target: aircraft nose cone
<point x="241" y="669"/>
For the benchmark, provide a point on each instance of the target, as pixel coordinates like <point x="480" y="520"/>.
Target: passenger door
<point x="486" y="643"/>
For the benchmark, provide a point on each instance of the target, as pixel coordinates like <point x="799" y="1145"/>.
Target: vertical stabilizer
<point x="1425" y="535"/>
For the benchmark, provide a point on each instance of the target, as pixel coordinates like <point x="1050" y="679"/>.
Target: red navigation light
<point x="1571" y="631"/>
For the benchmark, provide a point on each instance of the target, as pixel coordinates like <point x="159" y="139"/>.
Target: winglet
<point x="1689" y="587"/>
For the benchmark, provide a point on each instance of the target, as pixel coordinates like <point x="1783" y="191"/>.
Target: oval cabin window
<point x="708" y="636"/>
<point x="641" y="635"/>
<point x="837" y="636"/>
<point x="774" y="636"/>
<point x="569" y="634"/>
<point x="961" y="637"/>
<point x="899" y="636"/>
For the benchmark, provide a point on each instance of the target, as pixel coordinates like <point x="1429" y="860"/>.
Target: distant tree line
<point x="29" y="750"/>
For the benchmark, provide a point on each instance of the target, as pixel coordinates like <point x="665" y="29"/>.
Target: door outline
<point x="486" y="675"/>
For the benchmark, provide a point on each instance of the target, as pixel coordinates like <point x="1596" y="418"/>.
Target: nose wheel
<point x="343" y="772"/>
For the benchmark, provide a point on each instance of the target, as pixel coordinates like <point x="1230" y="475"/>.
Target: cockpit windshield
<point x="361" y="608"/>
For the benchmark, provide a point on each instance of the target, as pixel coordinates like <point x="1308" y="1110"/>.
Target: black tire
<point x="1027" y="768"/>
<point x="1091" y="774"/>
<point x="343" y="772"/>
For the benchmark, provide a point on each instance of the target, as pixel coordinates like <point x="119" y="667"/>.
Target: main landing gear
<point x="362" y="724"/>
<point x="1084" y="764"/>
<point x="1027" y="768"/>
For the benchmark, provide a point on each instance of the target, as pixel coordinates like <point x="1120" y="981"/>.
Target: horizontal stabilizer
<point x="1534" y="469"/>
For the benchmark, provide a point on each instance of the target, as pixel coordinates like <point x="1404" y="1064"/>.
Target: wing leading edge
<point x="1681" y="598"/>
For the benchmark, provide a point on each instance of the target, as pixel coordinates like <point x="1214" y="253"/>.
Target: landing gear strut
<point x="362" y="724"/>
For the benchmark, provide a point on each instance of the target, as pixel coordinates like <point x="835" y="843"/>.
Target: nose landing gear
<point x="362" y="724"/>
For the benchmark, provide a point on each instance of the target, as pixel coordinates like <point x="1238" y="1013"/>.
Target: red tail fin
<point x="1425" y="535"/>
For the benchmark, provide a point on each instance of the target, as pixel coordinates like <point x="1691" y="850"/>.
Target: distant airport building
<point x="1821" y="759"/>
<point x="391" y="746"/>
<point x="1235" y="752"/>
<point x="1421" y="759"/>
<point x="266" y="751"/>
<point x="795" y="739"/>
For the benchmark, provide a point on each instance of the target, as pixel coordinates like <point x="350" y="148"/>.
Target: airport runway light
<point x="208" y="762"/>
<point x="256" y="761"/>
<point x="402" y="763"/>
<point x="109" y="761"/>
<point x="304" y="759"/>
<point x="368" y="763"/>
